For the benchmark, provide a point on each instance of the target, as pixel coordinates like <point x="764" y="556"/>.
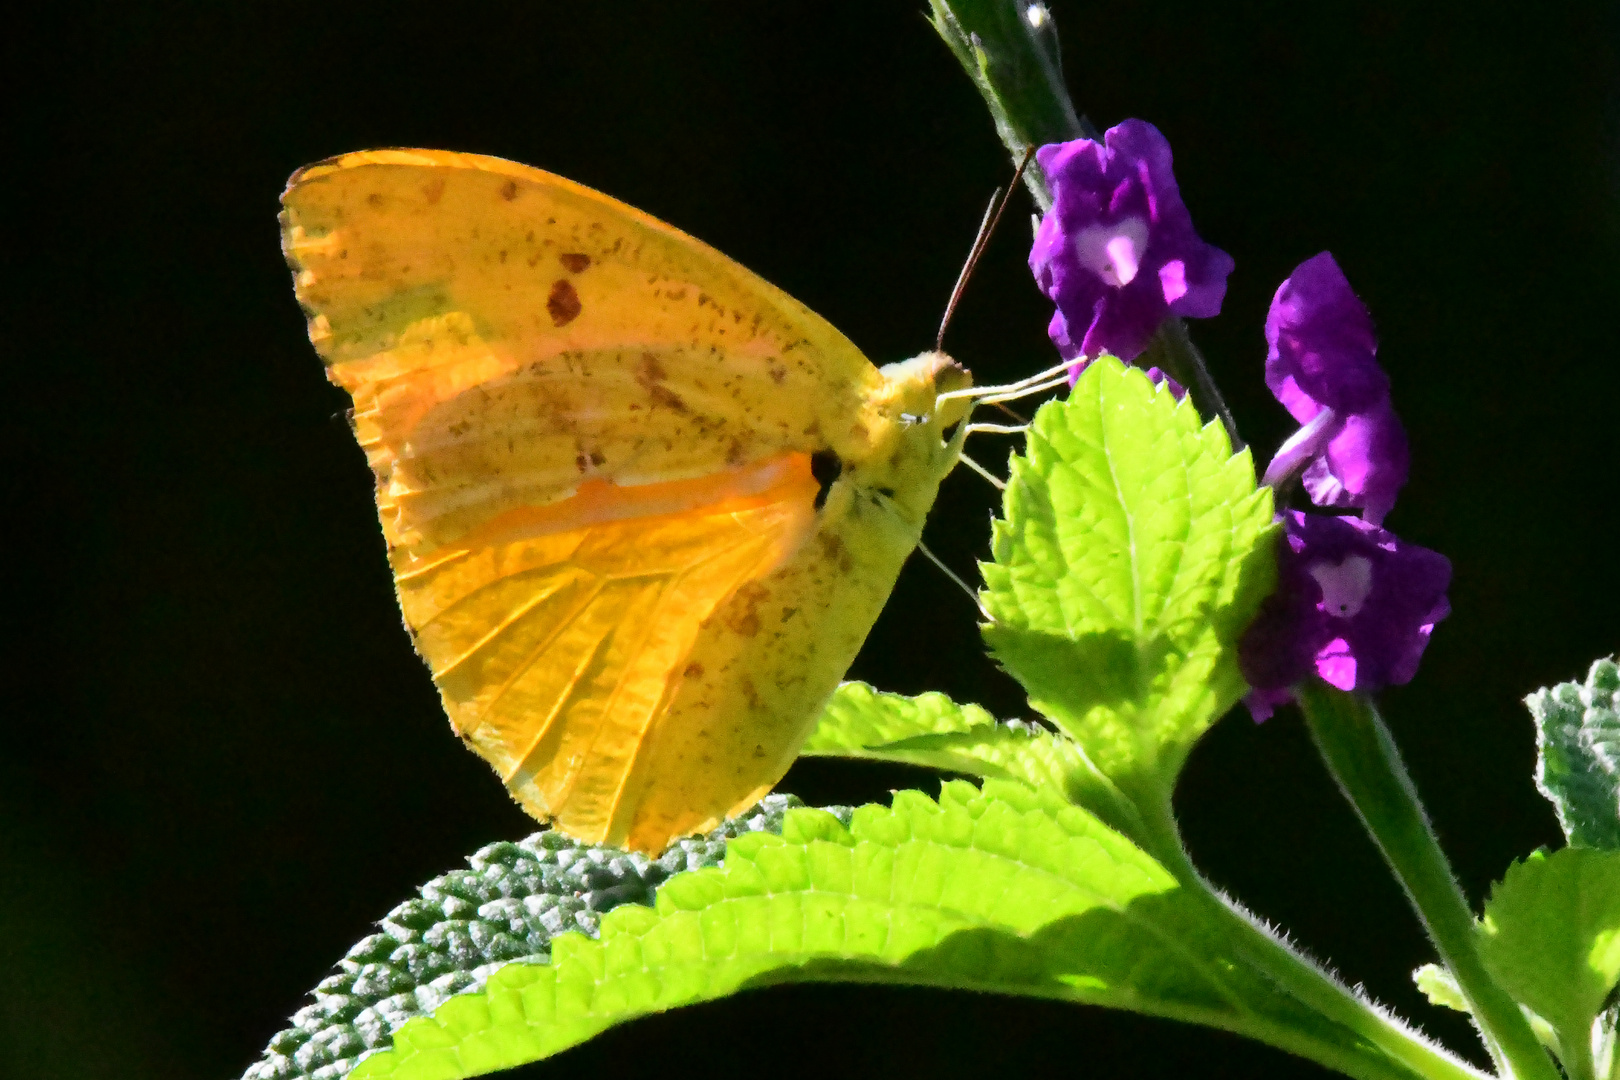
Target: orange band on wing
<point x="598" y="502"/>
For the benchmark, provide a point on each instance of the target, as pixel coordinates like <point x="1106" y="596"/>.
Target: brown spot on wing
<point x="663" y="395"/>
<point x="650" y="375"/>
<point x="832" y="546"/>
<point x="563" y="303"/>
<point x="693" y="670"/>
<point x="433" y="190"/>
<point x="745" y="622"/>
<point x="575" y="261"/>
<point x="509" y="190"/>
<point x="651" y="370"/>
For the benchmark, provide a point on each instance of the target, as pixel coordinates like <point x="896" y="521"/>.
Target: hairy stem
<point x="1298" y="976"/>
<point x="1362" y="757"/>
<point x="1174" y="353"/>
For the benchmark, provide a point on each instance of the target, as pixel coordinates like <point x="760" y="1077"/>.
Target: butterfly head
<point x="916" y="438"/>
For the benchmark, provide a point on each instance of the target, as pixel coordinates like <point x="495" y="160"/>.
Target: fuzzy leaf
<point x="932" y="731"/>
<point x="1551" y="935"/>
<point x="858" y="718"/>
<point x="1005" y="890"/>
<point x="1440" y="987"/>
<point x="1578" y="755"/>
<point x="1133" y="552"/>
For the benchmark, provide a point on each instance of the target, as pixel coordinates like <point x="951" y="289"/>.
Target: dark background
<point x="221" y="759"/>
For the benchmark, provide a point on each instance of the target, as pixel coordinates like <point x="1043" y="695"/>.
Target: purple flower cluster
<point x="1117" y="252"/>
<point x="1118" y="255"/>
<point x="1354" y="603"/>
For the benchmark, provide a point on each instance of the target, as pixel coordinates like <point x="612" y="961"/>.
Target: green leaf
<point x="1578" y="755"/>
<point x="1440" y="987"/>
<point x="1005" y="890"/>
<point x="1551" y="936"/>
<point x="859" y="718"/>
<point x="935" y="732"/>
<point x="1135" y="549"/>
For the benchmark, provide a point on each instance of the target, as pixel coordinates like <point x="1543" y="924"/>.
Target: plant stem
<point x="1302" y="979"/>
<point x="1577" y="1056"/>
<point x="1012" y="56"/>
<point x="1173" y="352"/>
<point x="1362" y="757"/>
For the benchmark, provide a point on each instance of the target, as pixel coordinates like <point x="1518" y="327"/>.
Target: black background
<point x="221" y="759"/>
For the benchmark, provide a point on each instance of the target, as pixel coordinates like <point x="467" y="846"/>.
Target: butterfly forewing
<point x="508" y="334"/>
<point x="592" y="439"/>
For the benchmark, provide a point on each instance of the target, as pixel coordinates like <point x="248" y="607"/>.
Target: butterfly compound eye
<point x="826" y="467"/>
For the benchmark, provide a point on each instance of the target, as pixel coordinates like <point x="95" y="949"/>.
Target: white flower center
<point x="1113" y="252"/>
<point x="1344" y="585"/>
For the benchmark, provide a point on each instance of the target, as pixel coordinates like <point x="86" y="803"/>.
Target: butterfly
<point x="641" y="507"/>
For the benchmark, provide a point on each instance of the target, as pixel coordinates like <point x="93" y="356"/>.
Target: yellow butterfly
<point x="641" y="507"/>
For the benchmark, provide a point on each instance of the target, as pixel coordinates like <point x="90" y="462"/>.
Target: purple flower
<point x="1321" y="365"/>
<point x="1354" y="603"/>
<point x="1117" y="252"/>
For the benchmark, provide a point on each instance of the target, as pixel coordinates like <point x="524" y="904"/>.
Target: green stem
<point x="1577" y="1056"/>
<point x="1362" y="757"/>
<point x="1014" y="61"/>
<point x="1173" y="352"/>
<point x="1302" y="979"/>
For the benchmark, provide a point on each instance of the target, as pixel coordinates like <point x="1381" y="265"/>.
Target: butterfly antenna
<point x="948" y="572"/>
<point x="967" y="268"/>
<point x="987" y="229"/>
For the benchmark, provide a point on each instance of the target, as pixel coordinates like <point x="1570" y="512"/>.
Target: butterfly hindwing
<point x="557" y="654"/>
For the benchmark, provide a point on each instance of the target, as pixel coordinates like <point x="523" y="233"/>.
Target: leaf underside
<point x="466" y="924"/>
<point x="1578" y="755"/>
